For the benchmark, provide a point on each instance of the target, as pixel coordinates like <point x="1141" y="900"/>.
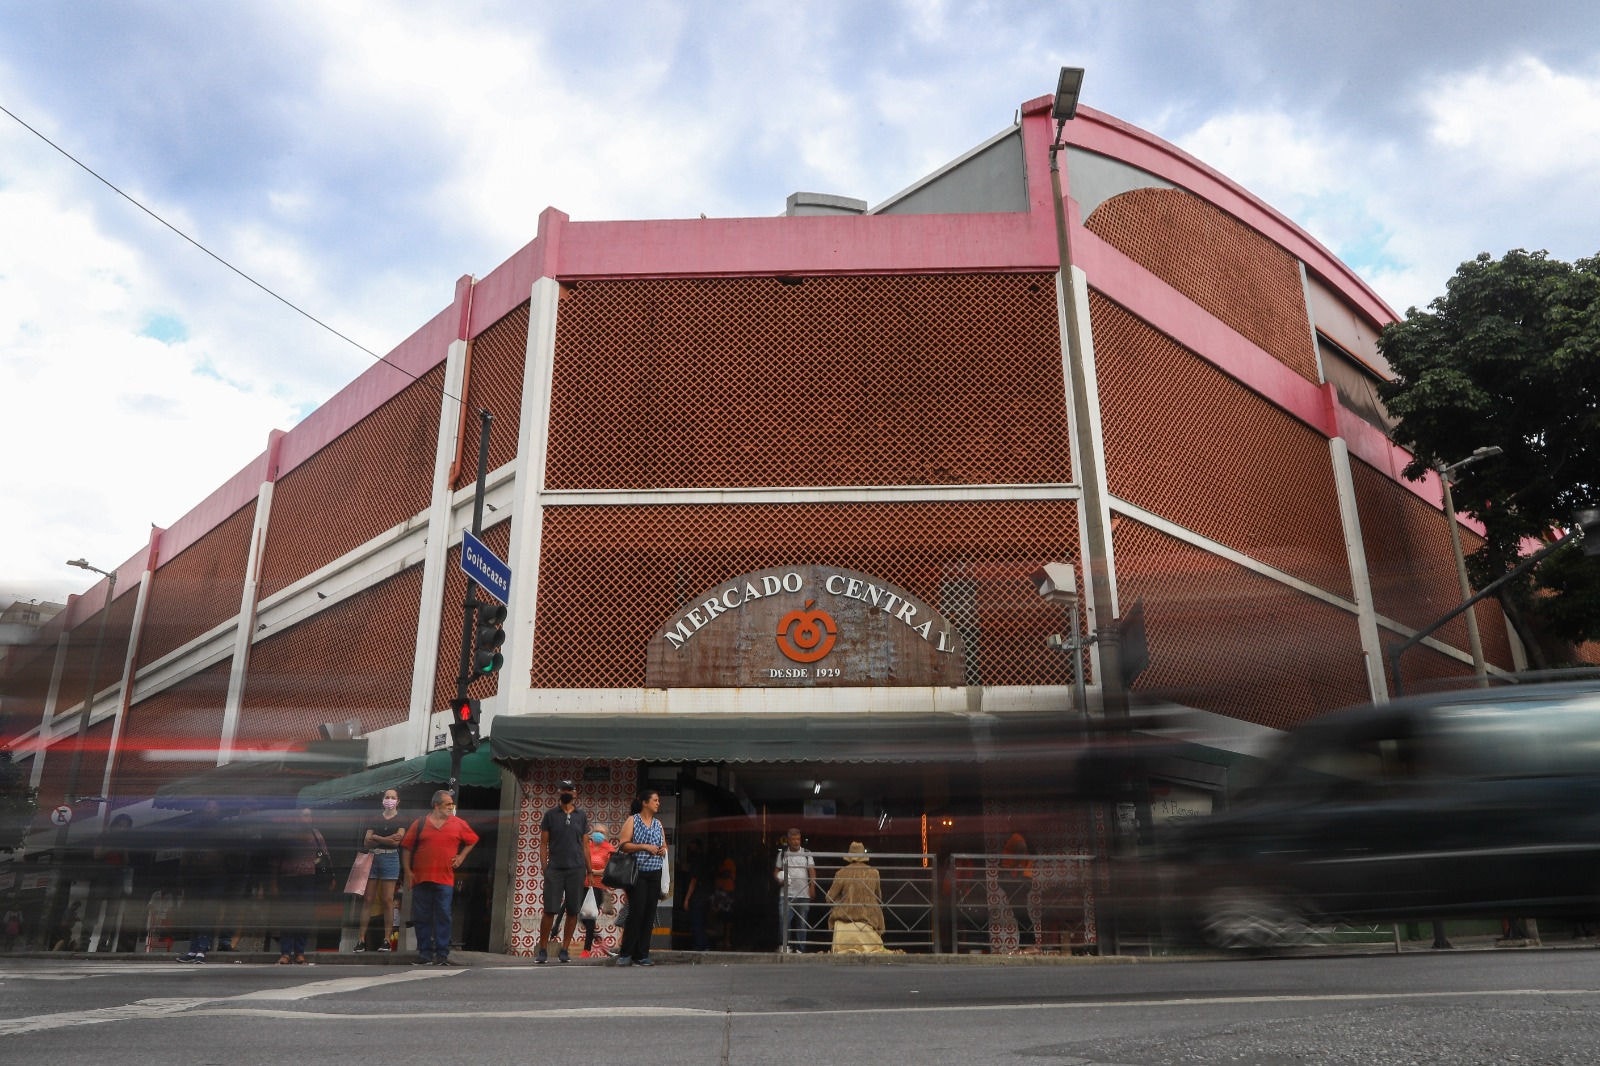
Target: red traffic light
<point x="464" y="711"/>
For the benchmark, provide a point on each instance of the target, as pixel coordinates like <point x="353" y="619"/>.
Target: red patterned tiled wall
<point x="495" y="385"/>
<point x="885" y="380"/>
<point x="375" y="475"/>
<point x="186" y="718"/>
<point x="1054" y="834"/>
<point x="1192" y="445"/>
<point x="969" y="560"/>
<point x="498" y="540"/>
<point x="1239" y="276"/>
<point x="1412" y="568"/>
<point x="1228" y="640"/>
<point x="605" y="801"/>
<point x="351" y="660"/>
<point x="199" y="588"/>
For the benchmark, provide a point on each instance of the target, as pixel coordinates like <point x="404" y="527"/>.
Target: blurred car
<point x="1480" y="803"/>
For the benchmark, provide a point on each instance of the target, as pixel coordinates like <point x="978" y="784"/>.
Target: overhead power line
<point x="281" y="299"/>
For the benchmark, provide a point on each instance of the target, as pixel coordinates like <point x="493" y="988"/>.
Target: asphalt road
<point x="1463" y="1008"/>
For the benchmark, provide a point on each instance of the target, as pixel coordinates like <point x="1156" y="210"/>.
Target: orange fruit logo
<point x="807" y="635"/>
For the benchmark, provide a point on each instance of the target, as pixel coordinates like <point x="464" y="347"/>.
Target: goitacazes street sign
<point x="485" y="567"/>
<point x="803" y="627"/>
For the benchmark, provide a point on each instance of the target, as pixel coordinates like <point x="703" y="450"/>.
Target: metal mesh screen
<point x="1411" y="566"/>
<point x="198" y="588"/>
<point x="1239" y="276"/>
<point x="732" y="382"/>
<point x="183" y="720"/>
<point x="609" y="576"/>
<point x="80" y="651"/>
<point x="55" y="783"/>
<point x="26" y="672"/>
<point x="352" y="660"/>
<point x="375" y="475"/>
<point x="495" y="385"/>
<point x="498" y="540"/>
<point x="1231" y="641"/>
<point x="1185" y="441"/>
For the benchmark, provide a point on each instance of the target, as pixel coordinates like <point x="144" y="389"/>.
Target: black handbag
<point x="622" y="869"/>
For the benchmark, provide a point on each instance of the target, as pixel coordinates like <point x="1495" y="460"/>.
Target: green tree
<point x="1510" y="356"/>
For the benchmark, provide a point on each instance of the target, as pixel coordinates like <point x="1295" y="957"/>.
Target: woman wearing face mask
<point x="642" y="835"/>
<point x="600" y="850"/>
<point x="382" y="837"/>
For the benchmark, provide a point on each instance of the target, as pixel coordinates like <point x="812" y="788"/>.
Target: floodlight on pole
<point x="75" y="767"/>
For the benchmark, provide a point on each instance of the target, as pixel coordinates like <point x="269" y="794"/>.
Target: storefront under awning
<point x="477" y="771"/>
<point x="833" y="738"/>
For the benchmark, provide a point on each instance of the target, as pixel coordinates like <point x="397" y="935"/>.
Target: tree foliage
<point x="1510" y="356"/>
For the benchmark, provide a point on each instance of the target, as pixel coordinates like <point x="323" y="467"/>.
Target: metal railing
<point x="907" y="894"/>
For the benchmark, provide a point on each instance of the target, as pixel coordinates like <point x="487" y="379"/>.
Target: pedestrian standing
<point x="382" y="838"/>
<point x="433" y="850"/>
<point x="1016" y="878"/>
<point x="796" y="873"/>
<point x="600" y="850"/>
<point x="564" y="845"/>
<point x="304" y="871"/>
<point x="203" y="869"/>
<point x="643" y="836"/>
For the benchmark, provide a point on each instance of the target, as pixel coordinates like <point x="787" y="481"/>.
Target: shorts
<point x="385" y="866"/>
<point x="563" y="890"/>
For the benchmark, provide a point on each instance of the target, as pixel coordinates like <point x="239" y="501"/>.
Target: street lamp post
<point x="58" y="858"/>
<point x="1474" y="643"/>
<point x="1113" y="698"/>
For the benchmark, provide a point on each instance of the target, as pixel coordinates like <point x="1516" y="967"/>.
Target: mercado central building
<point x="772" y="492"/>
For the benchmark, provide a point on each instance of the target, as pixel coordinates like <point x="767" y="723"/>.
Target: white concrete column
<point x="47" y="722"/>
<point x="515" y="696"/>
<point x="244" y="632"/>
<point x="1355" y="549"/>
<point x="124" y="697"/>
<point x="430" y="608"/>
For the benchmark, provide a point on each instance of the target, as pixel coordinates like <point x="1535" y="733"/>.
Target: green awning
<point x="477" y="771"/>
<point x="841" y="738"/>
<point x="271" y="778"/>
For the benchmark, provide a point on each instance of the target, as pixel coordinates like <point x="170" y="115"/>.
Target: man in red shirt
<point x="434" y="848"/>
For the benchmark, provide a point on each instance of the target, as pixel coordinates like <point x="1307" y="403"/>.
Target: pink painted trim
<point x="414" y="356"/>
<point x="1098" y="132"/>
<point x="1166" y="309"/>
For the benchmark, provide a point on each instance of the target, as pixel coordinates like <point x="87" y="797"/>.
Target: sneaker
<point x="422" y="960"/>
<point x="361" y="945"/>
<point x="562" y="956"/>
<point x="381" y="948"/>
<point x="647" y="961"/>
<point x="192" y="956"/>
<point x="541" y="956"/>
<point x="445" y="962"/>
<point x="583" y="954"/>
<point x="623" y="960"/>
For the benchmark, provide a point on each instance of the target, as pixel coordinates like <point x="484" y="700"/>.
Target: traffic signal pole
<point x="469" y="614"/>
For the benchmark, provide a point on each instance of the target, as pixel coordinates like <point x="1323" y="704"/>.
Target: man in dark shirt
<point x="564" y="842"/>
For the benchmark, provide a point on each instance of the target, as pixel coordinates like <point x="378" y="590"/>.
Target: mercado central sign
<point x="805" y="626"/>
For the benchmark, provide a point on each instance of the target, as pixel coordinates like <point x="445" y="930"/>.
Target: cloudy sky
<point x="357" y="157"/>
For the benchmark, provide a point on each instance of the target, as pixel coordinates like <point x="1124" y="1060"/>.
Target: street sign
<point x="62" y="815"/>
<point x="485" y="567"/>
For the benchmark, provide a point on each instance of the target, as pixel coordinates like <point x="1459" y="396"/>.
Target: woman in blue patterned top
<point x="643" y="836"/>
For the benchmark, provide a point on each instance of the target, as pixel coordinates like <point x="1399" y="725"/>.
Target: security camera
<point x="1056" y="582"/>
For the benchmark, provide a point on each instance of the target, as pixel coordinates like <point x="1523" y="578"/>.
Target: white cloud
<point x="1516" y="122"/>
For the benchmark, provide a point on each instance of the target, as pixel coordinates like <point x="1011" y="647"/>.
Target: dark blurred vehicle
<point x="1479" y="803"/>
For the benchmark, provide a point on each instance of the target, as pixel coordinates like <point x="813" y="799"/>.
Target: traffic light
<point x="486" y="657"/>
<point x="464" y="724"/>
